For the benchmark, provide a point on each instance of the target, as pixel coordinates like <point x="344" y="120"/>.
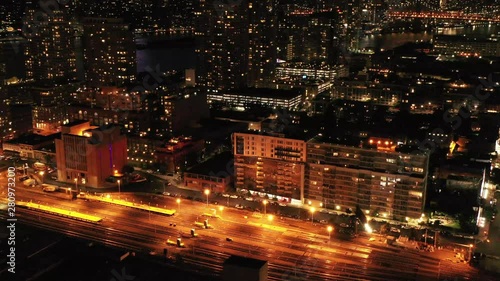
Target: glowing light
<point x="368" y="228"/>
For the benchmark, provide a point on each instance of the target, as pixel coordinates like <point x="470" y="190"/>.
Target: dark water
<point x="390" y="41"/>
<point x="166" y="59"/>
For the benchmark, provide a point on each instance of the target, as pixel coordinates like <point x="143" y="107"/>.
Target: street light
<point x="118" y="188"/>
<point x="76" y="184"/>
<point x="178" y="203"/>
<point x="265" y="204"/>
<point x="312" y="214"/>
<point x="207" y="192"/>
<point x="41" y="175"/>
<point x="221" y="208"/>
<point x="470" y="251"/>
<point x="329" y="229"/>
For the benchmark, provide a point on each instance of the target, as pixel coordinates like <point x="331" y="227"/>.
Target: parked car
<point x="225" y="195"/>
<point x="282" y="204"/>
<point x="238" y="206"/>
<point x="249" y="199"/>
<point x="234" y="196"/>
<point x="166" y="193"/>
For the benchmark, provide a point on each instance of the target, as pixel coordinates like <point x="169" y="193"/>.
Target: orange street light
<point x="265" y="205"/>
<point x="329" y="229"/>
<point x="178" y="203"/>
<point x="312" y="214"/>
<point x="207" y="192"/>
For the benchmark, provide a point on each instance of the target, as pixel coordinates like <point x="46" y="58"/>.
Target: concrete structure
<point x="381" y="182"/>
<point x="244" y="269"/>
<point x="109" y="52"/>
<point x="89" y="154"/>
<point x="270" y="164"/>
<point x="466" y="46"/>
<point x="215" y="174"/>
<point x="179" y="153"/>
<point x="243" y="99"/>
<point x="28" y="145"/>
<point x="50" y="50"/>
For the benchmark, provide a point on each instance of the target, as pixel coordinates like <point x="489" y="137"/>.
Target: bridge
<point x="451" y="16"/>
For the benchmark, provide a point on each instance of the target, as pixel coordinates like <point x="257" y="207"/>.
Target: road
<point x="298" y="251"/>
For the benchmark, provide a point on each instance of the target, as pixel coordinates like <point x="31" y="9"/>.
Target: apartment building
<point x="270" y="165"/>
<point x="381" y="182"/>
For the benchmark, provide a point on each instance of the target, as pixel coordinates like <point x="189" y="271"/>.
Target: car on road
<point x="166" y="193"/>
<point x="323" y="222"/>
<point x="226" y="195"/>
<point x="324" y="211"/>
<point x="394" y="229"/>
<point x="24" y="159"/>
<point x="229" y="239"/>
<point x="238" y="206"/>
<point x="234" y="196"/>
<point x="282" y="204"/>
<point x="249" y="199"/>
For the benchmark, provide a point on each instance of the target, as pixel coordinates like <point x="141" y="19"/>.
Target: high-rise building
<point x="309" y="38"/>
<point x="50" y="50"/>
<point x="382" y="183"/>
<point x="88" y="155"/>
<point x="220" y="30"/>
<point x="236" y="43"/>
<point x="270" y="164"/>
<point x="109" y="52"/>
<point x="262" y="39"/>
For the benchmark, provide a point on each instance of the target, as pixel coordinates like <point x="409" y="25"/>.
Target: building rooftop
<point x="216" y="166"/>
<point x="34" y="139"/>
<point x="245" y="262"/>
<point x="268" y="93"/>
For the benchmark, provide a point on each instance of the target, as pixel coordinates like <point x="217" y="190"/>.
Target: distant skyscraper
<point x="109" y="52"/>
<point x="222" y="43"/>
<point x="262" y="33"/>
<point x="50" y="50"/>
<point x="236" y="43"/>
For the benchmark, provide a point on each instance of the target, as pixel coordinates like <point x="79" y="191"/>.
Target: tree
<point x="127" y="169"/>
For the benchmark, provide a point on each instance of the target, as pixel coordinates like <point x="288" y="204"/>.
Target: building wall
<point x="390" y="184"/>
<point x="90" y="159"/>
<point x="270" y="164"/>
<point x="202" y="182"/>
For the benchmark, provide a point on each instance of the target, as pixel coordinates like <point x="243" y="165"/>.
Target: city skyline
<point x="251" y="140"/>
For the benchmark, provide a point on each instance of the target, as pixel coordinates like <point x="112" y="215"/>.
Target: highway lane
<point x="130" y="220"/>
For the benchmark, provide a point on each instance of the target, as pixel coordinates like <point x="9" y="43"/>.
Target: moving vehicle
<point x="49" y="188"/>
<point x="177" y="243"/>
<point x="29" y="182"/>
<point x="39" y="166"/>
